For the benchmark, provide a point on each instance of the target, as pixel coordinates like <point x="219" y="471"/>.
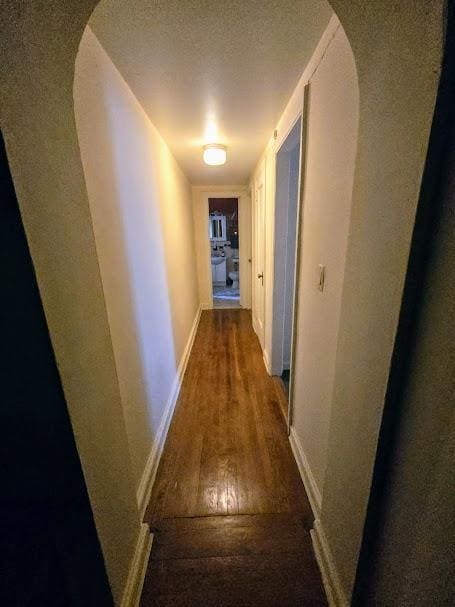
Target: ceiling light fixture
<point x="214" y="154"/>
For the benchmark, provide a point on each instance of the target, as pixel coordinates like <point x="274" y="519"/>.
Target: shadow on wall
<point x="397" y="52"/>
<point x="122" y="161"/>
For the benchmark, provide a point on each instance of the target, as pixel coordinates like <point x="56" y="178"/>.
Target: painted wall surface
<point x="397" y="51"/>
<point x="330" y="157"/>
<point x="39" y="518"/>
<point x="417" y="523"/>
<point x="39" y="44"/>
<point x="245" y="250"/>
<point x="142" y="218"/>
<point x="285" y="124"/>
<point x="200" y="219"/>
<point x="397" y="48"/>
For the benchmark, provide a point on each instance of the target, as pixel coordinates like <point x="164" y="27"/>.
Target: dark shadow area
<point x="285" y="378"/>
<point x="407" y="555"/>
<point x="50" y="555"/>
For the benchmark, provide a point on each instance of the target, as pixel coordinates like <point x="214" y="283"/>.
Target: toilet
<point x="234" y="276"/>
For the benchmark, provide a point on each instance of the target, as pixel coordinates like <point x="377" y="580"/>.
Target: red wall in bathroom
<point x="226" y="206"/>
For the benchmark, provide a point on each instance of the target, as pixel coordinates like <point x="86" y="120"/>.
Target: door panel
<point x="299" y="224"/>
<point x="245" y="250"/>
<point x="259" y="255"/>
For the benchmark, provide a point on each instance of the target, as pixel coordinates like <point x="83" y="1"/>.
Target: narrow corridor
<point x="331" y="124"/>
<point x="229" y="513"/>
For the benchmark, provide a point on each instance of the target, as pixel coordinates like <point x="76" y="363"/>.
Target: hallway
<point x="330" y="122"/>
<point x="229" y="513"/>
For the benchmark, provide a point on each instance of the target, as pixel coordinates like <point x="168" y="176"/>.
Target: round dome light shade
<point x="214" y="154"/>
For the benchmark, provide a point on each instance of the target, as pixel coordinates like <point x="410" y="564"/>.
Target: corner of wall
<point x="330" y="578"/>
<point x="148" y="477"/>
<point x="138" y="568"/>
<point x="309" y="482"/>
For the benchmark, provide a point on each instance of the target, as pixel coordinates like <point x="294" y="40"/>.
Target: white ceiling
<point x="209" y="69"/>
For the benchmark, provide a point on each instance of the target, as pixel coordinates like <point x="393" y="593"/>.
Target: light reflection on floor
<point x="226" y="297"/>
<point x="226" y="303"/>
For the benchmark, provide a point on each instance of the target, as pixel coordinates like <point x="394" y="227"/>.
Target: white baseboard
<point x="138" y="568"/>
<point x="314" y="495"/>
<point x="272" y="368"/>
<point x="268" y="367"/>
<point x="254" y="322"/>
<point x="148" y="477"/>
<point x="207" y="305"/>
<point x="330" y="577"/>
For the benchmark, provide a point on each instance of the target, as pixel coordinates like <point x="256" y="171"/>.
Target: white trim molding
<point x="268" y="367"/>
<point x="330" y="578"/>
<point x="285" y="124"/>
<point x="311" y="488"/>
<point x="148" y="477"/>
<point x="138" y="568"/>
<point x="293" y="108"/>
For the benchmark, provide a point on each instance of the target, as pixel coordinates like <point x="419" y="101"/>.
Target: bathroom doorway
<point x="223" y="232"/>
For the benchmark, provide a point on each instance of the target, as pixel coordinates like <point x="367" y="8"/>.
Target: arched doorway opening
<point x="38" y="120"/>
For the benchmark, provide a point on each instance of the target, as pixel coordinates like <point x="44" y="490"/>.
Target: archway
<point x="398" y="65"/>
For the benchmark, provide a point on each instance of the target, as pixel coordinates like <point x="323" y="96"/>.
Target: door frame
<point x="259" y="178"/>
<point x="201" y="197"/>
<point x="298" y="243"/>
<point x="298" y="111"/>
<point x="280" y="233"/>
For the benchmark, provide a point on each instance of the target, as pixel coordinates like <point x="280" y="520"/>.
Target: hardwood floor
<point x="229" y="512"/>
<point x="282" y="396"/>
<point x="223" y="304"/>
<point x="226" y="561"/>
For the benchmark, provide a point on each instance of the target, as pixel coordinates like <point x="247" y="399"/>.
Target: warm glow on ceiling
<point x="211" y="134"/>
<point x="214" y="154"/>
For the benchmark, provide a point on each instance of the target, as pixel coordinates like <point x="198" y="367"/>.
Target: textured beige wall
<point x="38" y="48"/>
<point x="397" y="48"/>
<point x="142" y="217"/>
<point x="286" y="122"/>
<point x="330" y="159"/>
<point x="414" y="560"/>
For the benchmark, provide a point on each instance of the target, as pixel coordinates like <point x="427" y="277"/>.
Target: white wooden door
<point x="303" y="154"/>
<point x="259" y="255"/>
<point x="245" y="250"/>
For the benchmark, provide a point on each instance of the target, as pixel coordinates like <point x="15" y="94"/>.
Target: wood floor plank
<point x="229" y="541"/>
<point x="227" y="450"/>
<point x="228" y="510"/>
<point x="240" y="520"/>
<point x="280" y="580"/>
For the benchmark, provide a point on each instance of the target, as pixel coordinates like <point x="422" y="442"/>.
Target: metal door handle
<point x="261" y="276"/>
